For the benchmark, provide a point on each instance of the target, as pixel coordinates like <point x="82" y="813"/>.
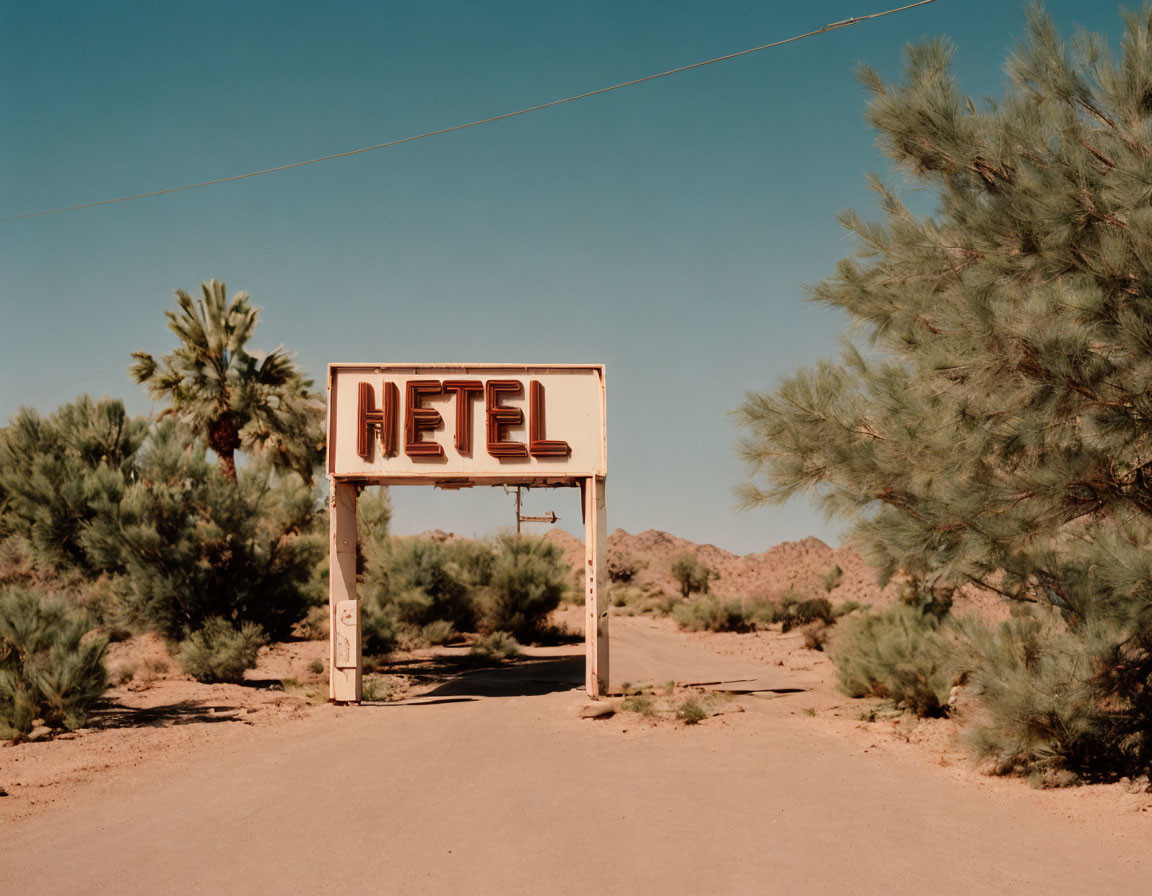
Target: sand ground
<point x="489" y="782"/>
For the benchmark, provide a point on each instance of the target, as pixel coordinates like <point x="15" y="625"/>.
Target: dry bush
<point x="495" y="646"/>
<point x="815" y="635"/>
<point x="710" y="613"/>
<point x="899" y="654"/>
<point x="219" y="652"/>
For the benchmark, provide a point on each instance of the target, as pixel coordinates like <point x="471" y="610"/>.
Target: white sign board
<point x="458" y="424"/>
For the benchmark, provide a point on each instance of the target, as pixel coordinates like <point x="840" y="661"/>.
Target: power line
<point x="832" y="26"/>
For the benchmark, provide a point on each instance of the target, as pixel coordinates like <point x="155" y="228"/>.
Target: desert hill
<point x="798" y="565"/>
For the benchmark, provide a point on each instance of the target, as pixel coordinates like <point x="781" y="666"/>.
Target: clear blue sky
<point x="665" y="230"/>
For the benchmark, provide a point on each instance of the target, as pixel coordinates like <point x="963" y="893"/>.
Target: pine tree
<point x="996" y="431"/>
<point x="55" y="472"/>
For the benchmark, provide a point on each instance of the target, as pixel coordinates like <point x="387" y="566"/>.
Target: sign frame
<point x="589" y="475"/>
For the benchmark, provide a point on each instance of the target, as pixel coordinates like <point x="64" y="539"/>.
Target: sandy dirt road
<point x="493" y="785"/>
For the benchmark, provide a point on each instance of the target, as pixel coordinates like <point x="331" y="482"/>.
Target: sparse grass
<point x="690" y="712"/>
<point x="810" y="712"/>
<point x="652" y="702"/>
<point x="301" y="689"/>
<point x="639" y="703"/>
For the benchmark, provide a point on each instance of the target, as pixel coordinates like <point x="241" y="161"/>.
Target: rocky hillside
<point x="799" y="565"/>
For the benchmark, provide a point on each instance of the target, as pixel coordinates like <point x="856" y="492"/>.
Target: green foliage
<point x="51" y="664"/>
<point x="899" y="654"/>
<point x="237" y="400"/>
<point x="316" y="667"/>
<point x="996" y="433"/>
<point x="410" y="583"/>
<point x="710" y="613"/>
<point x="691" y="575"/>
<point x="195" y="545"/>
<point x="218" y="651"/>
<point x="56" y="472"/>
<point x="527" y="580"/>
<point x="495" y="646"/>
<point x="1049" y="697"/>
<point x="419" y="591"/>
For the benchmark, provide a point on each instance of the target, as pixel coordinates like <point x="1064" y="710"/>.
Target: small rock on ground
<point x="596" y="710"/>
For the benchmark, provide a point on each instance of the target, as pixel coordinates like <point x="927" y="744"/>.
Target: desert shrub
<point x="622" y="568"/>
<point x="795" y="611"/>
<point x="51" y="663"/>
<point x="690" y="712"/>
<point x="934" y="599"/>
<point x="495" y="646"/>
<point x="1048" y="696"/>
<point x="710" y="613"/>
<point x="195" y="545"/>
<point x="315" y="625"/>
<point x="218" y="651"/>
<point x="526" y="582"/>
<point x="691" y="575"/>
<point x="832" y="578"/>
<point x="899" y="654"/>
<point x="316" y="667"/>
<point x="815" y="635"/>
<point x="639" y="703"/>
<point x="761" y="611"/>
<point x="438" y="632"/>
<point x="412" y="582"/>
<point x="841" y="610"/>
<point x="377" y="689"/>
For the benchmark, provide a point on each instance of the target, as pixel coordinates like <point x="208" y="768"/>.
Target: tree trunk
<point x="228" y="465"/>
<point x="224" y="439"/>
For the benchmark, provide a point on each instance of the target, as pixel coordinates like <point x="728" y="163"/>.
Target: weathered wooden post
<point x="596" y="675"/>
<point x="343" y="607"/>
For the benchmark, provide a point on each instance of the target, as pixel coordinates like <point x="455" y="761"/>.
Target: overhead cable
<point x="832" y="26"/>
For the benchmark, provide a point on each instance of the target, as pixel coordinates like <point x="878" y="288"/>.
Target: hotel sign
<point x="459" y="424"/>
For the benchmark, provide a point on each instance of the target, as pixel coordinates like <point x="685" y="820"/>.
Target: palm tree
<point x="237" y="400"/>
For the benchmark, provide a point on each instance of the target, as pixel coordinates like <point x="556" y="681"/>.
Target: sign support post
<point x="343" y="607"/>
<point x="595" y="598"/>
